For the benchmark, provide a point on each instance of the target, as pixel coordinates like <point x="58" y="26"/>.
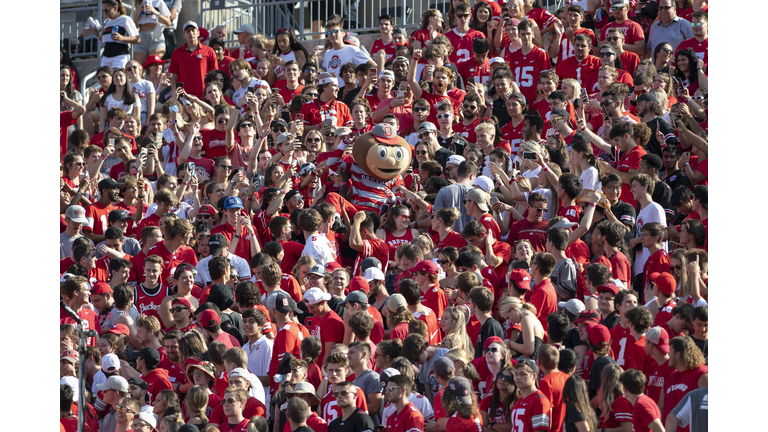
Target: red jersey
<point x="542" y="17"/>
<point x="700" y="48"/>
<point x="566" y="47"/>
<point x="328" y="328"/>
<point x="527" y="67"/>
<point x="292" y="252"/>
<point x="513" y="133"/>
<point x="467" y="131"/>
<point x="592" y="85"/>
<point x="490" y="225"/>
<point x="630" y="61"/>
<point x="572" y="213"/>
<point x="657" y="262"/>
<point x="545" y="299"/>
<point x="621" y="340"/>
<point x="535" y="232"/>
<point x="252" y="408"/>
<point x="457" y="423"/>
<point x="504" y="252"/>
<point x="644" y="413"/>
<point x="243" y="249"/>
<point x="621" y="411"/>
<point x="424" y="37"/>
<point x="315" y="422"/>
<point x="437" y="100"/>
<point x="157" y="381"/>
<point x="261" y="226"/>
<point x="393" y="242"/>
<point x="436" y="300"/>
<point x="637" y="357"/>
<point x="531" y="413"/>
<point x="331" y="410"/>
<point x="438" y="405"/>
<point x="399" y="332"/>
<point x="89" y="318"/>
<point x="579" y="70"/>
<point x="317" y="111"/>
<point x="184" y="254"/>
<point x="97" y="214"/>
<point x="289" y="94"/>
<point x="214" y="144"/>
<point x="452" y="239"/>
<point x="656" y="377"/>
<point x="407" y="420"/>
<point x="633" y="32"/>
<point x="620" y="267"/>
<point x="149" y="304"/>
<point x="433" y="328"/>
<point x="470" y="67"/>
<point x="389" y="49"/>
<point x="372" y="248"/>
<point x="627" y="161"/>
<point x="493" y="417"/>
<point x="65" y="121"/>
<point x="240" y="427"/>
<point x="288" y="340"/>
<point x="552" y="387"/>
<point x="462" y="44"/>
<point x="665" y="313"/>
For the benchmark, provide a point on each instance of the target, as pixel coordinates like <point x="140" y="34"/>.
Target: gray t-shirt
<point x="564" y="279"/>
<point x="427" y="371"/>
<point x="693" y="410"/>
<point x="131" y="247"/>
<point x="453" y="196"/>
<point x="65" y="244"/>
<point x="369" y="382"/>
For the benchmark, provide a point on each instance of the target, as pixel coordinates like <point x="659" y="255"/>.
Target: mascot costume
<point x="377" y="160"/>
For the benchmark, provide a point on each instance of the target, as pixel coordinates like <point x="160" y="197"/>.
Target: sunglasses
<point x="469" y="107"/>
<point x="314" y="95"/>
<point x="637" y="92"/>
<point x="131" y="68"/>
<point x="421" y="152"/>
<point x="178" y="309"/>
<point x="606" y="54"/>
<point x="405" y="216"/>
<point x="698" y="24"/>
<point x="606" y="103"/>
<point x="424" y="135"/>
<point x="491" y="350"/>
<point x="420" y="109"/>
<point x="342" y="393"/>
<point x="103" y="76"/>
<point x="198" y="138"/>
<point x="78" y="163"/>
<point x="225" y="167"/>
<point x="248" y="125"/>
<point x="310" y="70"/>
<point x="612" y="39"/>
<point x="667" y="50"/>
<point x="540" y="209"/>
<point x="676" y="267"/>
<point x="665" y="7"/>
<point x="443" y="262"/>
<point x="222" y="121"/>
<point x="552" y="121"/>
<point x="204" y="216"/>
<point x="444" y="116"/>
<point x="278" y="129"/>
<point x="124" y="409"/>
<point x="229" y="401"/>
<point x="462" y="15"/>
<point x="332" y="32"/>
<point x="506" y="378"/>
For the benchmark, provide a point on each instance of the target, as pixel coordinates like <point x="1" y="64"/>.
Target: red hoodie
<point x="157" y="381"/>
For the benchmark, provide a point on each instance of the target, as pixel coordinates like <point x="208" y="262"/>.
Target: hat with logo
<point x="118" y="215"/>
<point x="217" y="243"/>
<point x="318" y="270"/>
<point x="193" y="24"/>
<point x="659" y="337"/>
<point x="386" y="133"/>
<point x="460" y="389"/>
<point x="181" y="301"/>
<point x="118" y="329"/>
<point x="522" y="278"/>
<point x="209" y="318"/>
<point x="370" y="262"/>
<point x="151" y="60"/>
<point x="70" y="355"/>
<point x="306" y="168"/>
<point x="325" y="78"/>
<point x="424" y="266"/>
<point x="492" y="339"/>
<point x="609" y="287"/>
<point x="233" y="203"/>
<point x="76" y="214"/>
<point x="206" y="209"/>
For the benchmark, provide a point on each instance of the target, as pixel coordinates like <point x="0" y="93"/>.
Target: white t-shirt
<point x="123" y="21"/>
<point x="142" y="89"/>
<point x="259" y="355"/>
<point x="241" y="267"/>
<point x="110" y="103"/>
<point x="152" y="18"/>
<point x="320" y="248"/>
<point x="182" y="210"/>
<point x="334" y="59"/>
<point x="590" y="179"/>
<point x="651" y="213"/>
<point x="255" y="82"/>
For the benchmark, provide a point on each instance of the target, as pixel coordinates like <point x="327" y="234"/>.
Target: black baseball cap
<point x="118" y="215"/>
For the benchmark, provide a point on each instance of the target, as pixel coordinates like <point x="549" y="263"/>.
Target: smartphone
<point x="584" y="93"/>
<point x="529" y="155"/>
<point x="677" y="81"/>
<point x="143" y="153"/>
<point x="401" y="93"/>
<point x="300" y="117"/>
<point x="112" y="142"/>
<point x="191" y="167"/>
<point x="372" y="73"/>
<point x="251" y="90"/>
<point x="494" y="200"/>
<point x="605" y="111"/>
<point x="179" y="85"/>
<point x="471" y="80"/>
<point x="174" y="108"/>
<point x="328" y="122"/>
<point x="274" y="91"/>
<point x="576" y="103"/>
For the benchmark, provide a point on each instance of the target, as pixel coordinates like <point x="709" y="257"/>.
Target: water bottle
<point x="278" y="378"/>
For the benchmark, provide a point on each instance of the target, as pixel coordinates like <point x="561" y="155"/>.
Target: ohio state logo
<point x="146" y="307"/>
<point x="335" y="62"/>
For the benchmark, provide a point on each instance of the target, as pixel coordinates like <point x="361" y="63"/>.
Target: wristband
<point x="103" y="156"/>
<point x="184" y="183"/>
<point x="250" y="198"/>
<point x="592" y="205"/>
<point x="686" y="164"/>
<point x="544" y="168"/>
<point x="236" y="236"/>
<point x="514" y="179"/>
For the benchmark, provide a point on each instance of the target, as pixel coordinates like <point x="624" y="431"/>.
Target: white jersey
<point x="653" y="212"/>
<point x="320" y="248"/>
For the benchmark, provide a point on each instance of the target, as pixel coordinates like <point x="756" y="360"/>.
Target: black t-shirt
<point x="490" y="327"/>
<point x="572" y="339"/>
<point x="703" y="346"/>
<point x="611" y="320"/>
<point x="653" y="145"/>
<point x="596" y="373"/>
<point x="333" y="303"/>
<point x="677" y="179"/>
<point x="455" y="143"/>
<point x="500" y="111"/>
<point x="303" y="429"/>
<point x="359" y="421"/>
<point x="572" y="416"/>
<point x="442" y="155"/>
<point x="662" y="195"/>
<point x="622" y="209"/>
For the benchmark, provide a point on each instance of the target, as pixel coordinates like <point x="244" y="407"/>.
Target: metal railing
<point x="73" y="17"/>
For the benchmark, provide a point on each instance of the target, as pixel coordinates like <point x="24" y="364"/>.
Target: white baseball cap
<point x="574" y="306"/>
<point x="455" y="160"/>
<point x="316" y="295"/>
<point x="373" y="273"/>
<point x="72" y="382"/>
<point x="110" y="361"/>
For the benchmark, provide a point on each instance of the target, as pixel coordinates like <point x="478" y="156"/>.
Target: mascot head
<point x="381" y="153"/>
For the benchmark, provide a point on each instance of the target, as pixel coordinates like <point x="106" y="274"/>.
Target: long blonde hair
<point x="465" y="368"/>
<point x="610" y="388"/>
<point x="197" y="402"/>
<point x="458" y="333"/>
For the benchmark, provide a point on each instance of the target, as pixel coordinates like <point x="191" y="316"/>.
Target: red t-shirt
<point x="531" y="413"/>
<point x="214" y="144"/>
<point x="621" y="411"/>
<point x="288" y="340"/>
<point x="526" y="69"/>
<point x="317" y="111"/>
<point x="700" y="48"/>
<point x="657" y="262"/>
<point x="435" y="101"/>
<point x="566" y="48"/>
<point x="467" y="131"/>
<point x="545" y="299"/>
<point x="328" y="328"/>
<point x="243" y="249"/>
<point x="630" y="61"/>
<point x="644" y="412"/>
<point x="452" y="239"/>
<point x="407" y="420"/>
<point x="552" y="387"/>
<point x="192" y="66"/>
<point x="436" y="300"/>
<point x="637" y="357"/>
<point x="620" y="267"/>
<point x="97" y="215"/>
<point x="184" y="254"/>
<point x="289" y="94"/>
<point x="629" y="160"/>
<point x="89" y="318"/>
<point x="389" y="49"/>
<point x="423" y="36"/>
<point x="399" y="332"/>
<point x="633" y="32"/>
<point x="470" y="67"/>
<point x="433" y="328"/>
<point x="65" y="121"/>
<point x="535" y="232"/>
<point x="157" y="381"/>
<point x="578" y="70"/>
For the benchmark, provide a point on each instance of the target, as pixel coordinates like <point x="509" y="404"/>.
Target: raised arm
<point x="415" y="87"/>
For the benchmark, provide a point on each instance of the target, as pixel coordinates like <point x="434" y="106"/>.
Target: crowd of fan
<point x="540" y="265"/>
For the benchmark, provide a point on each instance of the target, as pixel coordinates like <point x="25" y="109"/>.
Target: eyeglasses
<point x="491" y="350"/>
<point x="677" y="267"/>
<point x="612" y="188"/>
<point x="222" y="120"/>
<point x="540" y="209"/>
<point x="698" y="24"/>
<point x="332" y="32"/>
<point x="444" y="116"/>
<point x="420" y="109"/>
<point x="606" y="54"/>
<point x="342" y="393"/>
<point x="278" y="129"/>
<point x="124" y="409"/>
<point x="469" y="107"/>
<point x="612" y="39"/>
<point x="225" y="167"/>
<point x="178" y="309"/>
<point x="462" y="15"/>
<point x="421" y="152"/>
<point x="229" y="401"/>
<point x="506" y="378"/>
<point x="103" y="76"/>
<point x="606" y="103"/>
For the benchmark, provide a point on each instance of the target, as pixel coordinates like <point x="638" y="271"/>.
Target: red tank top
<point x="149" y="305"/>
<point x="393" y="242"/>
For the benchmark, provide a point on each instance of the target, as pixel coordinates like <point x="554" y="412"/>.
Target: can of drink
<point x="115" y="30"/>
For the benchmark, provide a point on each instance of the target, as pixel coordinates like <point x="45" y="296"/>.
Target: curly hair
<point x="690" y="355"/>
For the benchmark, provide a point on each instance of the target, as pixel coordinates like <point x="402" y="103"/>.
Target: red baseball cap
<point x="598" y="334"/>
<point x="119" y="329"/>
<point x="71" y="356"/>
<point x="203" y="35"/>
<point x="182" y="301"/>
<point x="609" y="287"/>
<point x="358" y="283"/>
<point x="206" y="209"/>
<point x="665" y="281"/>
<point x="153" y="59"/>
<point x="588" y="316"/>
<point x="425" y="266"/>
<point x="332" y="265"/>
<point x="491" y="340"/>
<point x="522" y="278"/>
<point x="101" y="288"/>
<point x="659" y="337"/>
<point x="209" y="318"/>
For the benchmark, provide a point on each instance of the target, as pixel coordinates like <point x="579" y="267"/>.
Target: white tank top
<point x="280" y="70"/>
